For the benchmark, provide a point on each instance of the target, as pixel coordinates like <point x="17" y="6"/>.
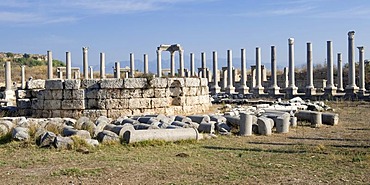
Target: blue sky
<point x="119" y="27"/>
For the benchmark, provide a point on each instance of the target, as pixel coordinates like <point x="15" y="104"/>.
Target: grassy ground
<point x="328" y="155"/>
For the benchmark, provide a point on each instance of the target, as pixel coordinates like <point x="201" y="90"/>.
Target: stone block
<point x="37" y="104"/>
<point x="203" y="82"/>
<point x="159" y="82"/>
<point x="111" y="83"/>
<point x="24" y="103"/>
<point x="78" y="94"/>
<point x="204" y="99"/>
<point x="117" y="104"/>
<point x="54" y="84"/>
<point x="161" y="93"/>
<point x="192" y="82"/>
<point x="56" y="113"/>
<point x="34" y="93"/>
<point x="53" y="94"/>
<point x="52" y="104"/>
<point x="21" y="94"/>
<point x="35" y="84"/>
<point x="176" y="82"/>
<point x="204" y="90"/>
<point x="40" y="94"/>
<point x="131" y="93"/>
<point x="73" y="104"/>
<point x="148" y="93"/>
<point x="92" y="114"/>
<point x="90" y="84"/>
<point x="137" y="112"/>
<point x="178" y="101"/>
<point x="114" y="113"/>
<point x="161" y="102"/>
<point x="92" y="104"/>
<point x="191" y="91"/>
<point x="72" y="84"/>
<point x="71" y="113"/>
<point x="191" y="100"/>
<point x="67" y="94"/>
<point x="135" y="83"/>
<point x="137" y="103"/>
<point x="111" y="93"/>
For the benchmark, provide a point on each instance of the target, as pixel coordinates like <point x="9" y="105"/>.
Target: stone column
<point x="118" y="70"/>
<point x="340" y="73"/>
<point x="8" y="76"/>
<point x="91" y="73"/>
<point x="361" y="69"/>
<point x="230" y="88"/>
<point x="243" y="89"/>
<point x="215" y="88"/>
<point x="85" y="62"/>
<point x="68" y="66"/>
<point x="274" y="89"/>
<point x="50" y="64"/>
<point x="351" y="87"/>
<point x="192" y="67"/>
<point x="172" y="54"/>
<point x="224" y="79"/>
<point x="132" y="66"/>
<point x="102" y="65"/>
<point x="159" y="63"/>
<point x="181" y="58"/>
<point x="23" y="77"/>
<point x="204" y="66"/>
<point x="330" y="88"/>
<point x="253" y="76"/>
<point x="60" y="73"/>
<point x="258" y="89"/>
<point x="310" y="89"/>
<point x="286" y="77"/>
<point x="146" y="69"/>
<point x="292" y="89"/>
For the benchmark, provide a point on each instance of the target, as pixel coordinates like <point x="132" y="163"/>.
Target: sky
<point x="121" y="27"/>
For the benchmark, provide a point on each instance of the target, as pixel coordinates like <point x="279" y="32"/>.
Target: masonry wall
<point x="113" y="97"/>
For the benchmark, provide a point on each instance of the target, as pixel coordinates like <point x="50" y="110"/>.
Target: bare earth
<point x="327" y="155"/>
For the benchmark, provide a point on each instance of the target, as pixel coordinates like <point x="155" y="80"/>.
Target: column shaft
<point x="69" y="66"/>
<point x="172" y="54"/>
<point x="102" y="65"/>
<point x="192" y="67"/>
<point x="50" y="64"/>
<point x="23" y="77"/>
<point x="351" y="88"/>
<point x="118" y="70"/>
<point x="181" y="58"/>
<point x="91" y="73"/>
<point x="362" y="69"/>
<point x="132" y="65"/>
<point x="8" y="76"/>
<point x="204" y="66"/>
<point x="215" y="89"/>
<point x="146" y="70"/>
<point x="159" y="63"/>
<point x="230" y="88"/>
<point x="340" y="72"/>
<point x="85" y="62"/>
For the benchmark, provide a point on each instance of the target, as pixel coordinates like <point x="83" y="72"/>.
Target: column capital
<point x="291" y="40"/>
<point x="361" y="48"/>
<point x="351" y="34"/>
<point x="85" y="49"/>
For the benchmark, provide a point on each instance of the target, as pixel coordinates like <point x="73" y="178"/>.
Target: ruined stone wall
<point x="113" y="97"/>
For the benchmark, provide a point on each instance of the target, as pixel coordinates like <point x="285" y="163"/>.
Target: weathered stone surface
<point x="111" y="83"/>
<point x="107" y="136"/>
<point x="207" y="127"/>
<point x="84" y="134"/>
<point x="72" y="113"/>
<point x="192" y="82"/>
<point x="264" y="126"/>
<point x="21" y="94"/>
<point x="245" y="124"/>
<point x="37" y="104"/>
<point x="161" y="93"/>
<point x="159" y="82"/>
<point x="72" y="84"/>
<point x="131" y="93"/>
<point x="52" y="104"/>
<point x="72" y="104"/>
<point x="92" y="93"/>
<point x="330" y="118"/>
<point x="24" y="103"/>
<point x="161" y="102"/>
<point x="90" y="83"/>
<point x="94" y="113"/>
<point x="20" y="134"/>
<point x="112" y="93"/>
<point x="92" y="142"/>
<point x="63" y="142"/>
<point x="191" y="100"/>
<point x="54" y="84"/>
<point x="78" y="94"/>
<point x="118" y="113"/>
<point x="148" y="93"/>
<point x="135" y="83"/>
<point x="117" y="104"/>
<point x="200" y="118"/>
<point x="46" y="139"/>
<point x="178" y="101"/>
<point x="140" y="103"/>
<point x="35" y="84"/>
<point x="191" y="91"/>
<point x="204" y="99"/>
<point x="53" y="94"/>
<point x="176" y="91"/>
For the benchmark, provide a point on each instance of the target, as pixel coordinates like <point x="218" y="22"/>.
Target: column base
<point x="258" y="90"/>
<point x="274" y="90"/>
<point x="215" y="90"/>
<point x="9" y="96"/>
<point x="230" y="89"/>
<point x="330" y="90"/>
<point x="243" y="89"/>
<point x="340" y="89"/>
<point x="310" y="90"/>
<point x="351" y="90"/>
<point x="291" y="91"/>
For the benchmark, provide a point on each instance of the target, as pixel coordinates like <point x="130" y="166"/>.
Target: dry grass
<point x="327" y="155"/>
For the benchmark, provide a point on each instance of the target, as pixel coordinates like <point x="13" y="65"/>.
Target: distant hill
<point x="26" y="59"/>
